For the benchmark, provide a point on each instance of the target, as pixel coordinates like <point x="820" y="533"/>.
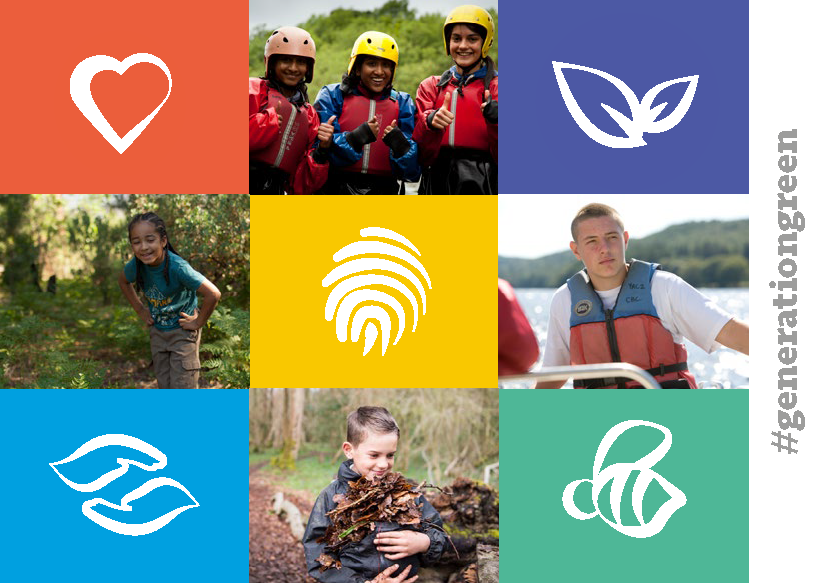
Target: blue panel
<point x="643" y="43"/>
<point x="46" y="537"/>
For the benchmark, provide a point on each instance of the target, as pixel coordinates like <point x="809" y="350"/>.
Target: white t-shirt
<point x="682" y="309"/>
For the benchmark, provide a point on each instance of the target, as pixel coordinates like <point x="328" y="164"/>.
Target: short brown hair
<point x="364" y="419"/>
<point x="592" y="211"/>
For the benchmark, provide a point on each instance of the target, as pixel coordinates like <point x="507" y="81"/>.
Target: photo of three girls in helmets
<point x="362" y="136"/>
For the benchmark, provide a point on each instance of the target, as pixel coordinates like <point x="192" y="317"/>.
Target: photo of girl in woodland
<point x="169" y="285"/>
<point x="122" y="291"/>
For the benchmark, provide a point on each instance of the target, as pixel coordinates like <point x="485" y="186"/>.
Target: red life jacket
<point x="291" y="143"/>
<point x="630" y="332"/>
<point x="357" y="109"/>
<point x="468" y="130"/>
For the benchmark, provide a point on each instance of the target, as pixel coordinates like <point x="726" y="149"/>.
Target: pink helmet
<point x="291" y="40"/>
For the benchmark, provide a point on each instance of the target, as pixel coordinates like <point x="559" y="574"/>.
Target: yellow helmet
<point x="375" y="44"/>
<point x="470" y="14"/>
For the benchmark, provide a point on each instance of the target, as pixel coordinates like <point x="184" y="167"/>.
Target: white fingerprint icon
<point x="360" y="298"/>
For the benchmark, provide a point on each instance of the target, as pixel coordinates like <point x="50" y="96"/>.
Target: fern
<point x="227" y="342"/>
<point x="61" y="371"/>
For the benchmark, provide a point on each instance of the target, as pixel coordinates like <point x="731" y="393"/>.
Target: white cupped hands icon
<point x="88" y="508"/>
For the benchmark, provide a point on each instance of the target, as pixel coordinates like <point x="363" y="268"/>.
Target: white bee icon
<point x="620" y="474"/>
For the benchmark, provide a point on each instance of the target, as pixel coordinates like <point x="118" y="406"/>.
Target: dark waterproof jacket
<point x="361" y="561"/>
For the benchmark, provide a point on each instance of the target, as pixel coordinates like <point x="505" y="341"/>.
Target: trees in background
<point x="450" y="432"/>
<point x="210" y="231"/>
<point x="704" y="253"/>
<point x="419" y="37"/>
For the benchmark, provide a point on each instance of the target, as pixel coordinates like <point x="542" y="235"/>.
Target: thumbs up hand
<point x="486" y="100"/>
<point x="326" y="132"/>
<point x="389" y="129"/>
<point x="279" y="118"/>
<point x="490" y="108"/>
<point x="443" y="117"/>
<point x="396" y="140"/>
<point x="373" y="124"/>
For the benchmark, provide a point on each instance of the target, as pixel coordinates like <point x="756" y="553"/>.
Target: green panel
<point x="549" y="439"/>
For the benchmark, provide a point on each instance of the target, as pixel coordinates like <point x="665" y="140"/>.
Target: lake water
<point x="723" y="369"/>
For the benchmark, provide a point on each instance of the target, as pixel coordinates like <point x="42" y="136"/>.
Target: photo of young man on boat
<point x="619" y="310"/>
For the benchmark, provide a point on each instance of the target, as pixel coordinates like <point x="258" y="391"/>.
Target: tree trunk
<point x="294" y="415"/>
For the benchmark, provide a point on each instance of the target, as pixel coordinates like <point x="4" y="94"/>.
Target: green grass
<point x="314" y="471"/>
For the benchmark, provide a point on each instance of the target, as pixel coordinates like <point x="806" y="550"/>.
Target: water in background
<point x="723" y="369"/>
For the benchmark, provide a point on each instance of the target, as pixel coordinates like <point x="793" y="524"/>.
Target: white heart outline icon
<point x="80" y="88"/>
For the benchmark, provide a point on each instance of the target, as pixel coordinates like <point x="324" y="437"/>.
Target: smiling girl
<point x="372" y="147"/>
<point x="169" y="285"/>
<point x="283" y="125"/>
<point x="458" y="112"/>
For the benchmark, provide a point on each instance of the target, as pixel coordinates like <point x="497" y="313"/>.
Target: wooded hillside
<point x="705" y="254"/>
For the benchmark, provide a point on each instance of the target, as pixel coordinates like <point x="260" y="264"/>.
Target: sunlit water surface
<point x="723" y="369"/>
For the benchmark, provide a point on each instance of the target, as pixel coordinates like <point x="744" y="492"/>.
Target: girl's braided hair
<point x="161" y="229"/>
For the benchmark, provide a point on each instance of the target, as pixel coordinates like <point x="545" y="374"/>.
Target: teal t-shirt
<point x="166" y="302"/>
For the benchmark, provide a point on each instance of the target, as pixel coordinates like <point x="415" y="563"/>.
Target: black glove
<point x="397" y="142"/>
<point x="429" y="119"/>
<point x="489" y="112"/>
<point x="320" y="155"/>
<point x="360" y="137"/>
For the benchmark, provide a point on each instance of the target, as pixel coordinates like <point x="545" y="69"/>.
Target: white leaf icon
<point x="643" y="114"/>
<point x="103" y="441"/>
<point x="136" y="529"/>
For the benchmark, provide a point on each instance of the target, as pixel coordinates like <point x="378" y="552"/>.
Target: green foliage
<point x="705" y="254"/>
<point x="420" y="40"/>
<point x="62" y="371"/>
<point x="212" y="232"/>
<point x="96" y="238"/>
<point x="28" y="224"/>
<point x="227" y="341"/>
<point x="126" y="332"/>
<point x="19" y="332"/>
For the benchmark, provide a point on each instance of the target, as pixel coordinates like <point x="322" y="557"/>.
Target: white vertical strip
<point x="787" y="90"/>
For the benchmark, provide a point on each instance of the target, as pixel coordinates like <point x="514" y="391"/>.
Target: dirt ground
<point x="275" y="556"/>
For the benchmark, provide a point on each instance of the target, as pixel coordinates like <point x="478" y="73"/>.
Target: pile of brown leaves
<point x="390" y="498"/>
<point x="468" y="505"/>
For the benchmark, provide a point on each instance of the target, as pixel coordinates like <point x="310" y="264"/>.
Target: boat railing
<point x="586" y="371"/>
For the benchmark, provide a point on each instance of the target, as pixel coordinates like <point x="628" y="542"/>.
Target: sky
<point x="532" y="225"/>
<point x="283" y="13"/>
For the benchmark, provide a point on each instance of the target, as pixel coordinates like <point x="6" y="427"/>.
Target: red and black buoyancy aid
<point x="291" y="143"/>
<point x="469" y="129"/>
<point x="357" y="109"/>
<point x="630" y="332"/>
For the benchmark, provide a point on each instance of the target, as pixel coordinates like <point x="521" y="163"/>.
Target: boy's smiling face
<point x="373" y="457"/>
